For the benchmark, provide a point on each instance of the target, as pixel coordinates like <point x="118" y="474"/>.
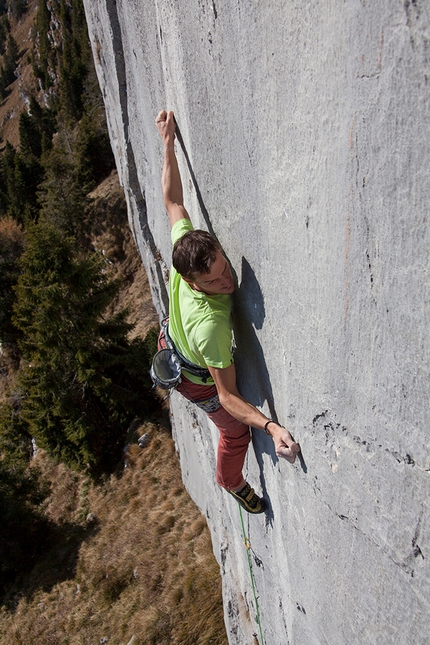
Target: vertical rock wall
<point x="306" y="126"/>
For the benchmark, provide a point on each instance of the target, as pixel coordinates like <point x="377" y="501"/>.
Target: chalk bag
<point x="165" y="370"/>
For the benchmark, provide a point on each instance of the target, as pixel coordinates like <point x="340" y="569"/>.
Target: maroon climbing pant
<point x="234" y="436"/>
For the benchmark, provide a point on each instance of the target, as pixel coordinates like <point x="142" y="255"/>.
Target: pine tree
<point x="84" y="381"/>
<point x="10" y="60"/>
<point x="17" y="8"/>
<point x="74" y="60"/>
<point x="63" y="194"/>
<point x="94" y="155"/>
<point x="36" y="129"/>
<point x="41" y="60"/>
<point x="11" y="247"/>
<point x="22" y="172"/>
<point x="10" y="194"/>
<point x="4" y="31"/>
<point x="29" y="173"/>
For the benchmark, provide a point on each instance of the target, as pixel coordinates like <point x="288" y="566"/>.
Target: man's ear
<point x="187" y="280"/>
<point x="192" y="284"/>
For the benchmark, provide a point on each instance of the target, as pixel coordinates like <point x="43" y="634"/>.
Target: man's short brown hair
<point x="194" y="253"/>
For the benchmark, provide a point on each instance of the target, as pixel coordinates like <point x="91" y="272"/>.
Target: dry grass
<point x="141" y="565"/>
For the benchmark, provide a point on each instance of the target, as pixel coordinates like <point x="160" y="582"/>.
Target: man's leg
<point x="234" y="438"/>
<point x="234" y="435"/>
<point x="232" y="448"/>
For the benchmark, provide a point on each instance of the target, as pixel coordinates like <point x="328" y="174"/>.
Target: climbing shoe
<point x="249" y="500"/>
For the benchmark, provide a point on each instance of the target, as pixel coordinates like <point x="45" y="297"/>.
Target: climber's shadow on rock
<point x="248" y="315"/>
<point x="252" y="373"/>
<point x="194" y="180"/>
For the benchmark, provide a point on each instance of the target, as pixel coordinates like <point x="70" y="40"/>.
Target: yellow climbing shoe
<point x="249" y="500"/>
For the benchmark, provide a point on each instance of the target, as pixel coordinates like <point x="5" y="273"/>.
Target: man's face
<point x="218" y="281"/>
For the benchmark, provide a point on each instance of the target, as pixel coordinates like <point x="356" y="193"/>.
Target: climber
<point x="200" y="328"/>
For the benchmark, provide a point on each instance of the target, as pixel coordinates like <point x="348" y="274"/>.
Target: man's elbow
<point x="175" y="211"/>
<point x="222" y="398"/>
<point x="225" y="398"/>
<point x="169" y="204"/>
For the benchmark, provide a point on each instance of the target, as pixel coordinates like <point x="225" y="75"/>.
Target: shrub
<point x="23" y="528"/>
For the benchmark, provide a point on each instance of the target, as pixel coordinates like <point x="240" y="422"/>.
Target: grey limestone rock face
<point x="306" y="127"/>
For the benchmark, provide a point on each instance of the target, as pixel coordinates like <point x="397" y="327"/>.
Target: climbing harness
<point x="207" y="405"/>
<point x="247" y="544"/>
<point x="202" y="372"/>
<point x="168" y="363"/>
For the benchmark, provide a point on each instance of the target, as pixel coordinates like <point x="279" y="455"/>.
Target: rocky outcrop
<point x="305" y="128"/>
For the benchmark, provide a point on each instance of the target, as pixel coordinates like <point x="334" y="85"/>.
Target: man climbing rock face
<point x="200" y="327"/>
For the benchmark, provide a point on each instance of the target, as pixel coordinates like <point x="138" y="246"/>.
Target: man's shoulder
<point x="211" y="321"/>
<point x="213" y="310"/>
<point x="181" y="227"/>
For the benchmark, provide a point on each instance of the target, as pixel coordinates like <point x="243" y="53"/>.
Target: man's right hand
<point x="166" y="126"/>
<point x="170" y="179"/>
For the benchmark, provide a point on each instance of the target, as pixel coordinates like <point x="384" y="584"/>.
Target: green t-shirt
<point x="199" y="324"/>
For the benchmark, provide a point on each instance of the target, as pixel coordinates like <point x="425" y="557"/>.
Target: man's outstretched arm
<point x="242" y="410"/>
<point x="171" y="183"/>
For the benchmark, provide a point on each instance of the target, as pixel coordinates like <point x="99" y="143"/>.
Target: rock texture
<point x="306" y="131"/>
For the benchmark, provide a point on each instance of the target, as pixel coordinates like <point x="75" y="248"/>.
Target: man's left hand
<point x="285" y="445"/>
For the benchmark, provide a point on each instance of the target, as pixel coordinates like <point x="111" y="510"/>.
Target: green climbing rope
<point x="247" y="544"/>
